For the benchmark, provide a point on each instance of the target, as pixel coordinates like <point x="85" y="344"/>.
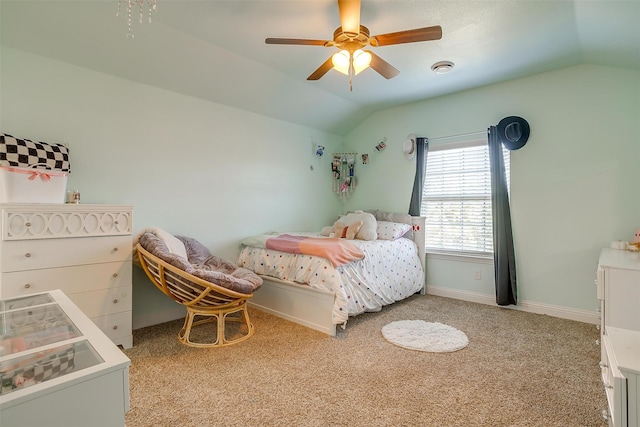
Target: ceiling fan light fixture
<point x="442" y="67"/>
<point x="361" y="60"/>
<point x="351" y="39"/>
<point x="341" y="61"/>
<point x="131" y="5"/>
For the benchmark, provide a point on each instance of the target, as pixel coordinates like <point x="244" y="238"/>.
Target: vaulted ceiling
<point x="215" y="50"/>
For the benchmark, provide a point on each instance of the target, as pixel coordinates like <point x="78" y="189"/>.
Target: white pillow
<point x="174" y="245"/>
<point x="369" y="224"/>
<point x="391" y="230"/>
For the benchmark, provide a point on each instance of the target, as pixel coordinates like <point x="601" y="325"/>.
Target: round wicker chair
<point x="206" y="300"/>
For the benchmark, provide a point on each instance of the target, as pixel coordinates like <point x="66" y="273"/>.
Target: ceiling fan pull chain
<point x="351" y="75"/>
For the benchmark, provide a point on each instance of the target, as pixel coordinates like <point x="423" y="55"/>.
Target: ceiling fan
<point x="351" y="38"/>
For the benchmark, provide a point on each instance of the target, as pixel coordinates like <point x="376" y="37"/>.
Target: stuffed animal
<point x="369" y="228"/>
<point x="345" y="231"/>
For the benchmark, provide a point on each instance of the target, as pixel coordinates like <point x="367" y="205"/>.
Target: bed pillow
<point x="394" y="217"/>
<point x="369" y="224"/>
<point x="391" y="230"/>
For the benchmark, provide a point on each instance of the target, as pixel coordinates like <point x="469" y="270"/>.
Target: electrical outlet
<point x="478" y="275"/>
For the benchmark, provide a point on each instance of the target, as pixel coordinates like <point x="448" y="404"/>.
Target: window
<point x="456" y="198"/>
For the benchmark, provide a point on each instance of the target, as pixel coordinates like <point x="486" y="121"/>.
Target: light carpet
<point x="419" y="335"/>
<point x="519" y="369"/>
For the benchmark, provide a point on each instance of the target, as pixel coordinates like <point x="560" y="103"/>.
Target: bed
<point x="322" y="294"/>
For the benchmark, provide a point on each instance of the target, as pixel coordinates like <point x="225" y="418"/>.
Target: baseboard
<point x="531" y="307"/>
<point x="528" y="306"/>
<point x="157" y="318"/>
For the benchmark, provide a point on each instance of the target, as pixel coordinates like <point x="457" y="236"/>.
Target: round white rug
<point x="425" y="336"/>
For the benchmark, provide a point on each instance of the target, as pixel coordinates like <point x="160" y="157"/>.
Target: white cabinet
<point x="618" y="289"/>
<point x="57" y="368"/>
<point x="84" y="250"/>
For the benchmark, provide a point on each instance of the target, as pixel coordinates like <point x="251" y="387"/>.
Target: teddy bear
<point x="343" y="231"/>
<point x="368" y="230"/>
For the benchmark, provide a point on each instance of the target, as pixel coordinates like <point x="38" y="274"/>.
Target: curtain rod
<point x="439" y="138"/>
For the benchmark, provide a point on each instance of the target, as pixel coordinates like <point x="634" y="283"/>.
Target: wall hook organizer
<point x="344" y="174"/>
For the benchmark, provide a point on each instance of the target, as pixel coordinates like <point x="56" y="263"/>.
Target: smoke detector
<point x="442" y="67"/>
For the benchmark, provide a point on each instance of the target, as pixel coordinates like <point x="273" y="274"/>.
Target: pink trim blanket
<point x="337" y="251"/>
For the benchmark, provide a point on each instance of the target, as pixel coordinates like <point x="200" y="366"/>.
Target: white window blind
<point x="456" y="198"/>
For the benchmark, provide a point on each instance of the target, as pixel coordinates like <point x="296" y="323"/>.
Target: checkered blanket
<point x="42" y="366"/>
<point x="29" y="154"/>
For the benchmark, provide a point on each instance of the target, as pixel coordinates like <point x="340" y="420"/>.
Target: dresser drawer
<point x="103" y="301"/>
<point x="64" y="221"/>
<point x="615" y="386"/>
<point x="71" y="280"/>
<point x="607" y="381"/>
<point x="115" y="325"/>
<point x="22" y="255"/>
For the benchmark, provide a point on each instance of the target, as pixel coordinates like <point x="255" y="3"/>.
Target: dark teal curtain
<point x="422" y="148"/>
<point x="504" y="260"/>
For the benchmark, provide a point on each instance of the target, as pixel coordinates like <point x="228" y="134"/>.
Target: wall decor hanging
<point x="382" y="145"/>
<point x="409" y="147"/>
<point x="513" y="132"/>
<point x="343" y="169"/>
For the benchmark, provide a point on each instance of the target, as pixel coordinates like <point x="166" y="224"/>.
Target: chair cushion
<point x="202" y="264"/>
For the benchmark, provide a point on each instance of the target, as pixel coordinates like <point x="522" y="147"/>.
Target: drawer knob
<point x="115" y="301"/>
<point x="27" y="255"/>
<point x="115" y="274"/>
<point x="115" y="327"/>
<point x="115" y="249"/>
<point x="28" y="224"/>
<point x="27" y="286"/>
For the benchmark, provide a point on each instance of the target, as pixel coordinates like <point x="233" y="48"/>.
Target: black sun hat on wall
<point x="513" y="132"/>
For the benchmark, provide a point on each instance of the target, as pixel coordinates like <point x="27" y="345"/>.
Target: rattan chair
<point x="209" y="301"/>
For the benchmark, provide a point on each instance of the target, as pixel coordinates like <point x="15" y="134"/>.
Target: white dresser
<point x="84" y="250"/>
<point x="618" y="289"/>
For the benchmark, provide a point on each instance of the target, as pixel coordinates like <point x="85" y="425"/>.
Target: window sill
<point x="478" y="259"/>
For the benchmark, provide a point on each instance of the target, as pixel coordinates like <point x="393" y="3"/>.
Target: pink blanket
<point x="337" y="251"/>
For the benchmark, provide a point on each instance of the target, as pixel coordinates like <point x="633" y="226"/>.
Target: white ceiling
<point x="215" y="49"/>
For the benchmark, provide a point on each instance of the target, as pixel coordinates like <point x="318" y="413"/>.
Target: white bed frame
<point x="313" y="307"/>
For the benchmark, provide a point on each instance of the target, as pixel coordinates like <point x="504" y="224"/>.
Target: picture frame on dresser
<point x="82" y="249"/>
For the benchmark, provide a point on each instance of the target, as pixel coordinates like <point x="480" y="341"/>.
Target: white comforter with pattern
<point x="390" y="271"/>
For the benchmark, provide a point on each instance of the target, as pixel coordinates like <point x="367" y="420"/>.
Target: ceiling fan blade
<point x="385" y="69"/>
<point x="272" y="40"/>
<point x="350" y="16"/>
<point x="408" y="36"/>
<point x="322" y="70"/>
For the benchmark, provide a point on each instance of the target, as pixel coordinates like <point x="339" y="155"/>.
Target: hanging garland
<point x="344" y="179"/>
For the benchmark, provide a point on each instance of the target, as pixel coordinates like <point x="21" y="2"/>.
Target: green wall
<point x="575" y="186"/>
<point x="191" y="167"/>
<point x="220" y="174"/>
